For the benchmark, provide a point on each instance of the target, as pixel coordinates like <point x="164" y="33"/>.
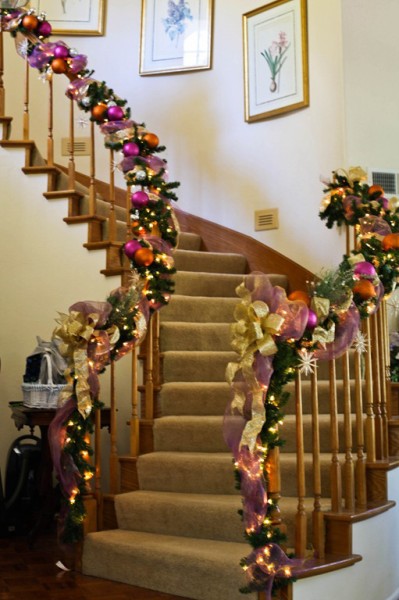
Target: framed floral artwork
<point x="276" y="77"/>
<point x="176" y="36"/>
<point x="74" y="17"/>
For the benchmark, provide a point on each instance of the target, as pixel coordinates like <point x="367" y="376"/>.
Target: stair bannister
<point x="317" y="515"/>
<point x="348" y="466"/>
<point x="370" y="419"/>
<point x="274" y="482"/>
<point x="2" y="91"/>
<point x="301" y="517"/>
<point x="148" y="373"/>
<point x="71" y="162"/>
<point x="114" y="461"/>
<point x="157" y="355"/>
<point x="360" y="465"/>
<point x="335" y="469"/>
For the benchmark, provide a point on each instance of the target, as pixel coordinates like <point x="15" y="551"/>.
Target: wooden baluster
<point x="148" y="374"/>
<point x="71" y="163"/>
<point x="300" y="530"/>
<point x="50" y="140"/>
<point x="274" y="482"/>
<point x="370" y="422"/>
<point x="112" y="217"/>
<point x="2" y="91"/>
<point x="92" y="186"/>
<point x="134" y="419"/>
<point x="26" y="128"/>
<point x="317" y="515"/>
<point x="335" y="471"/>
<point x="156" y="352"/>
<point x="349" y="466"/>
<point x="114" y="464"/>
<point x="387" y="359"/>
<point x="381" y="332"/>
<point x="360" y="466"/>
<point x="347" y="239"/>
<point x="97" y="465"/>
<point x="375" y="365"/>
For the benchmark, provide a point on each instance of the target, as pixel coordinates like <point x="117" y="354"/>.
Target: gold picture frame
<point x="175" y="36"/>
<point x="276" y="72"/>
<point x="74" y="17"/>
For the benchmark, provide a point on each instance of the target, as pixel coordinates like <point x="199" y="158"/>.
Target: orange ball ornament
<point x="151" y="140"/>
<point x="99" y="111"/>
<point x="390" y="241"/>
<point x="59" y="66"/>
<point x="30" y="22"/>
<point x="299" y="295"/>
<point x="374" y="189"/>
<point x="365" y="289"/>
<point x="144" y="257"/>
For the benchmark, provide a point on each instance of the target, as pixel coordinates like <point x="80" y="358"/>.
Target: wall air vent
<point x="81" y="146"/>
<point x="266" y="219"/>
<point x="389" y="180"/>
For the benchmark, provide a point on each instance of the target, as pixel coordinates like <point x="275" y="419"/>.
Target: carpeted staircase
<point x="180" y="532"/>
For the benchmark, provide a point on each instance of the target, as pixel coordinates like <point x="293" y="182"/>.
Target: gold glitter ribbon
<point x="321" y="307"/>
<point x="75" y="331"/>
<point x="252" y="332"/>
<point x="324" y="336"/>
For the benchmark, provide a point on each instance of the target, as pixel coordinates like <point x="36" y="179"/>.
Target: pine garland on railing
<point x="94" y="333"/>
<point x="275" y="336"/>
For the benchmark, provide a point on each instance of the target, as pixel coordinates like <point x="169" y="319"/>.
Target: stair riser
<point x="206" y="284"/>
<point x="207" y="262"/>
<point x="199" y="310"/>
<point x="198" y="475"/>
<point x="139" y="511"/>
<point x="180" y="336"/>
<point x="288" y="434"/>
<point x="201" y="366"/>
<point x="208" y="399"/>
<point x="167" y="566"/>
<point x="188" y="436"/>
<point x="323" y="397"/>
<point x="288" y="477"/>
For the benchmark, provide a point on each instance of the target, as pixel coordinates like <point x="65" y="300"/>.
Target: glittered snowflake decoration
<point x="307" y="362"/>
<point x="82" y="122"/>
<point x="23" y="48"/>
<point x="360" y="343"/>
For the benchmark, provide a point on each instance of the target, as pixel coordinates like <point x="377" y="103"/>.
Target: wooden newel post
<point x="2" y="91"/>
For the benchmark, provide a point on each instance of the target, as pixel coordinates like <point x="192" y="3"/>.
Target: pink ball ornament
<point x="115" y="113"/>
<point x="364" y="269"/>
<point x="130" y="149"/>
<point x="312" y="320"/>
<point x="131" y="247"/>
<point x="139" y="199"/>
<point x="61" y="51"/>
<point x="44" y="29"/>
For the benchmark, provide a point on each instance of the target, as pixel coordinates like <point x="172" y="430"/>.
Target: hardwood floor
<point x="31" y="574"/>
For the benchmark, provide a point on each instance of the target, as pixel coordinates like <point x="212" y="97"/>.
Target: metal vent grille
<point x="387" y="180"/>
<point x="266" y="219"/>
<point x="81" y="146"/>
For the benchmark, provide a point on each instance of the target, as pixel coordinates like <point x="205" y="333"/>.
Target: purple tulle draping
<point x="345" y="333"/>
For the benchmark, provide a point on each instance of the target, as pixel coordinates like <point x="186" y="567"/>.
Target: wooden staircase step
<point x="17" y="143"/>
<point x="40" y="170"/>
<point x="61" y="194"/>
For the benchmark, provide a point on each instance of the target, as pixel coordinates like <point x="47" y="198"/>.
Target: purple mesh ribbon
<point x="374" y="225"/>
<point x="345" y="333"/>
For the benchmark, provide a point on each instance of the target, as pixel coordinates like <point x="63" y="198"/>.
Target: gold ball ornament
<point x="30" y="22"/>
<point x="144" y="257"/>
<point x="59" y="66"/>
<point x="151" y="140"/>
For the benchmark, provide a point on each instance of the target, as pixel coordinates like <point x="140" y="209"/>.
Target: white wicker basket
<point x="42" y="395"/>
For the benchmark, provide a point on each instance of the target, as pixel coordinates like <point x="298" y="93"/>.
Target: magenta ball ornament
<point x="364" y="269"/>
<point x="130" y="149"/>
<point x="44" y="29"/>
<point x="312" y="320"/>
<point x="61" y="51"/>
<point x="131" y="247"/>
<point x="115" y="113"/>
<point x="139" y="199"/>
